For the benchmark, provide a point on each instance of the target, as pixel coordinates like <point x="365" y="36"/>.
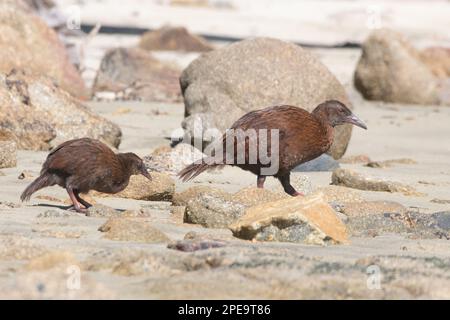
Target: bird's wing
<point x="297" y="130"/>
<point x="79" y="155"/>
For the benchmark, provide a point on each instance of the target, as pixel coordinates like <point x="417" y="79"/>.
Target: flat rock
<point x="35" y="47"/>
<point x="172" y="160"/>
<point x="134" y="74"/>
<point x="282" y="73"/>
<point x="132" y="229"/>
<point x="413" y="225"/>
<point x="213" y="210"/>
<point x="173" y="39"/>
<point x="352" y="209"/>
<point x="8" y="154"/>
<point x="301" y="219"/>
<point x="352" y="179"/>
<point x="182" y="198"/>
<point x="191" y="245"/>
<point x="39" y="115"/>
<point x="160" y="188"/>
<point x="391" y="70"/>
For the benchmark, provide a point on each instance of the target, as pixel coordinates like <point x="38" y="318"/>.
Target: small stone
<point x="352" y="179"/>
<point x="132" y="229"/>
<point x="301" y="219"/>
<point x="192" y="245"/>
<point x="26" y="174"/>
<point x="9" y="205"/>
<point x="8" y="154"/>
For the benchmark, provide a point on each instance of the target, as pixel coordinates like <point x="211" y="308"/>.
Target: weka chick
<point x="86" y="164"/>
<point x="303" y="136"/>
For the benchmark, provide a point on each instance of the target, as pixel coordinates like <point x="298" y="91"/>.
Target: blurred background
<point x="318" y="24"/>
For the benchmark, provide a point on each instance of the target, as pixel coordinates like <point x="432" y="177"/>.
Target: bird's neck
<point x="124" y="163"/>
<point x="327" y="126"/>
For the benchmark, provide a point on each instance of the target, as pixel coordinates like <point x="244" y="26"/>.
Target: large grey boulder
<point x="222" y="85"/>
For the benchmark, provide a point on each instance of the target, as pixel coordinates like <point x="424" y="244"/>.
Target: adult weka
<point x="302" y="136"/>
<point x="86" y="164"/>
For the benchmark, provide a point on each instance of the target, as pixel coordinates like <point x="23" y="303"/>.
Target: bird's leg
<point x="75" y="202"/>
<point x="288" y="188"/>
<point x="82" y="201"/>
<point x="260" y="181"/>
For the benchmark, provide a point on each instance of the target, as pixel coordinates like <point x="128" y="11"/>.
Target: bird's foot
<point x="80" y="209"/>
<point x="297" y="194"/>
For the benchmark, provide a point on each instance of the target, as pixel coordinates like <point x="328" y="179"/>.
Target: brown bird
<point x="86" y="164"/>
<point x="302" y="136"/>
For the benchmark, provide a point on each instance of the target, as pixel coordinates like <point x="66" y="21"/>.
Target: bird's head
<point x="135" y="164"/>
<point x="336" y="113"/>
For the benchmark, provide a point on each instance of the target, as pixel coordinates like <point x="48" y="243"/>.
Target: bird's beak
<point x="145" y="173"/>
<point x="356" y="121"/>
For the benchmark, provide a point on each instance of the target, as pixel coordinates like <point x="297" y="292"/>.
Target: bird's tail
<point x="194" y="169"/>
<point x="41" y="182"/>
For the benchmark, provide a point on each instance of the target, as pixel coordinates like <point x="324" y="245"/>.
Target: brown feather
<point x="86" y="164"/>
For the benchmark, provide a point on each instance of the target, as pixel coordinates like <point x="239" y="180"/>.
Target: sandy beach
<point x="47" y="252"/>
